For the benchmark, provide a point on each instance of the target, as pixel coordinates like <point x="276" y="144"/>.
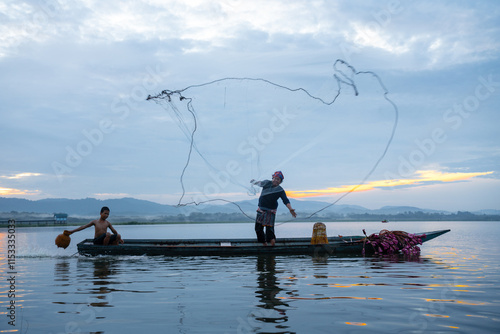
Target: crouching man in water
<point x="101" y="235"/>
<point x="268" y="203"/>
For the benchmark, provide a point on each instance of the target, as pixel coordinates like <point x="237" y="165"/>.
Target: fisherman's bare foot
<point x="273" y="242"/>
<point x="265" y="243"/>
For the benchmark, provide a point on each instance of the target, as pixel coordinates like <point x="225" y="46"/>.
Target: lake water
<point x="452" y="288"/>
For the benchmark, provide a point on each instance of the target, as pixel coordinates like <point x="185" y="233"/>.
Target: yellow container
<point x="319" y="234"/>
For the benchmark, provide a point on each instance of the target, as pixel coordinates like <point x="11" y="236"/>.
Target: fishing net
<point x="393" y="242"/>
<point x="229" y="131"/>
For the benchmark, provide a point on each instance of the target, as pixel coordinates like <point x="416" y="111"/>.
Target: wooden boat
<point x="341" y="245"/>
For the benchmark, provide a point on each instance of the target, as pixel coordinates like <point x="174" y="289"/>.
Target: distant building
<point x="60" y="218"/>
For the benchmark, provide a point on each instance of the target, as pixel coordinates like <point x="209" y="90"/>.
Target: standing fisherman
<point x="268" y="203"/>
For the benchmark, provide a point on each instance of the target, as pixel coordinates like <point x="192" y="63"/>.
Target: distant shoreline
<point x="26" y="219"/>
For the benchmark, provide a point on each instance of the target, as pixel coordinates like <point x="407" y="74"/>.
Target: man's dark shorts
<point x="100" y="239"/>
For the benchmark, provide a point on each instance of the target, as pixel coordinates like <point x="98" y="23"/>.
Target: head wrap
<point x="278" y="174"/>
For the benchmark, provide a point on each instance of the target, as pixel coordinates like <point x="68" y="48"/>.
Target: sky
<point x="369" y="103"/>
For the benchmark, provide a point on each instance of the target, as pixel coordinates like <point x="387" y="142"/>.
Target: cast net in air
<point x="333" y="135"/>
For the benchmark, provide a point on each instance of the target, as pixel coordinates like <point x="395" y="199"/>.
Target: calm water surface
<point x="453" y="288"/>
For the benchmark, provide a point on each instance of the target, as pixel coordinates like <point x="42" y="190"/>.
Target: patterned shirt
<point x="269" y="196"/>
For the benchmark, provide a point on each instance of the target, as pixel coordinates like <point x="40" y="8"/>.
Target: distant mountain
<point x="87" y="206"/>
<point x="90" y="207"/>
<point x="394" y="210"/>
<point x="487" y="212"/>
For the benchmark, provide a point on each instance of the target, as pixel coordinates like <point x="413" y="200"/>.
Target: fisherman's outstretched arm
<point x="81" y="227"/>
<point x="292" y="211"/>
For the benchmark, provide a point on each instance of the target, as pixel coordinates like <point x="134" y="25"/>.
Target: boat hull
<point x="345" y="246"/>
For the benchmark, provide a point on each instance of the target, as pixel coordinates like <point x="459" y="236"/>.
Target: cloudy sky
<point x="409" y="116"/>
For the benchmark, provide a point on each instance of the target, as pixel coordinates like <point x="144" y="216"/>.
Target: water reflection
<point x="61" y="271"/>
<point x="83" y="311"/>
<point x="103" y="269"/>
<point x="268" y="291"/>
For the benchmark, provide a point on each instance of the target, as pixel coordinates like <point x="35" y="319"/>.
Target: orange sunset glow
<point x="424" y="176"/>
<point x="4" y="191"/>
<point x="11" y="192"/>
